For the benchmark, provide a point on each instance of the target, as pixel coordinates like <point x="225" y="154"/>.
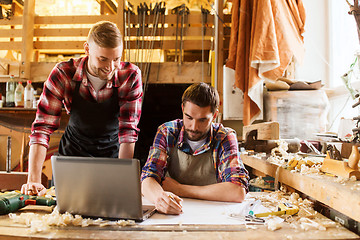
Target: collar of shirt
<point x="80" y="74"/>
<point x="185" y="147"/>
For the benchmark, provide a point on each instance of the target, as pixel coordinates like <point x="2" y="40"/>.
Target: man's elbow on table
<point x="238" y="194"/>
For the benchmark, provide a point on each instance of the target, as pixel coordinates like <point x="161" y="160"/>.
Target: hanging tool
<point x="204" y="15"/>
<point x="155" y="12"/>
<point x="176" y="11"/>
<point x="162" y="10"/>
<point x="127" y="15"/>
<point x="184" y="12"/>
<point x="139" y="21"/>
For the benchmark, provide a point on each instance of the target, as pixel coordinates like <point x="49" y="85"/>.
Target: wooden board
<point x="265" y="131"/>
<point x="320" y="187"/>
<point x="10" y="230"/>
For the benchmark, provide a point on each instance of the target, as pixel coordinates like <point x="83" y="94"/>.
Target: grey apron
<point x="191" y="170"/>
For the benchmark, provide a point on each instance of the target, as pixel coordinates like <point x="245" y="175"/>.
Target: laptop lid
<point x="99" y="187"/>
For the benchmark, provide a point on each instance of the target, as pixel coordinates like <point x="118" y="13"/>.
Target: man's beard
<point x="100" y="74"/>
<point x="195" y="135"/>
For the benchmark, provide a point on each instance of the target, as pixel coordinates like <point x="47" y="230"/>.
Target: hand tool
<point x="13" y="201"/>
<point x="263" y="137"/>
<point x="176" y="11"/>
<point x="252" y="220"/>
<point x="284" y="208"/>
<point x="184" y="15"/>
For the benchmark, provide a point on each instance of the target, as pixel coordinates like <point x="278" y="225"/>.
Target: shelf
<point x="323" y="188"/>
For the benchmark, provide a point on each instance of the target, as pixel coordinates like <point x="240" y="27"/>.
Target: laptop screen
<point x="98" y="187"/>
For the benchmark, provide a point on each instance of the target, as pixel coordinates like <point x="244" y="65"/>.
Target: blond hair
<point x="105" y="34"/>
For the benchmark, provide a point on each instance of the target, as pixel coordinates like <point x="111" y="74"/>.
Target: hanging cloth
<point x="265" y="36"/>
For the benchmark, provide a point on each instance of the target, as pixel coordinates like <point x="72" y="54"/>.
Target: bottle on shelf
<point x="19" y="95"/>
<point x="28" y="95"/>
<point x="10" y="92"/>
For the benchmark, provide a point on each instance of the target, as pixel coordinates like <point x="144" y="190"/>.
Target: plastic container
<point x="19" y="95"/>
<point x="10" y="92"/>
<point x="28" y="95"/>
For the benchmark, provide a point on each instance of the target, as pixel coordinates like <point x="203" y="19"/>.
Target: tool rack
<point x="177" y="33"/>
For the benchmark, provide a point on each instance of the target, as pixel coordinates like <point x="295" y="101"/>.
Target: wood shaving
<point x="306" y="219"/>
<point x="41" y="223"/>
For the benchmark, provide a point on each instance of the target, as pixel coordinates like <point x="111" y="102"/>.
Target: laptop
<point x="108" y="188"/>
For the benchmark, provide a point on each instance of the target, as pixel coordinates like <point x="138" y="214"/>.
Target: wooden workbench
<point x="12" y="231"/>
<point x="323" y="188"/>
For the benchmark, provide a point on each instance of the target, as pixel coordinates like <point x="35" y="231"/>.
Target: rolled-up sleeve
<point x="130" y="107"/>
<point x="48" y="113"/>
<point x="231" y="167"/>
<point x="156" y="163"/>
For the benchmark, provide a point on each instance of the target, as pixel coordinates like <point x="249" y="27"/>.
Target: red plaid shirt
<point x="58" y="91"/>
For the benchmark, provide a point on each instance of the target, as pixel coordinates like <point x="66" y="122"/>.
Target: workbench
<point x="151" y="230"/>
<point x="343" y="197"/>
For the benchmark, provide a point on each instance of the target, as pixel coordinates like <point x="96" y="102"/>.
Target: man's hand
<point x="168" y="203"/>
<point x="32" y="188"/>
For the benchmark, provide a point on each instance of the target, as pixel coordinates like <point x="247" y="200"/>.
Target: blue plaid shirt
<point x="222" y="141"/>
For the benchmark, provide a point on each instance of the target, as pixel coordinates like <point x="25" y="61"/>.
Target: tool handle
<point x="278" y="213"/>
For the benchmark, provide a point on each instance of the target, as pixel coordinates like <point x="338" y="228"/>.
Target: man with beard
<point x="194" y="157"/>
<point x="102" y="96"/>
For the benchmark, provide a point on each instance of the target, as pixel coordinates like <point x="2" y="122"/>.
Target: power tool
<point x="284" y="208"/>
<point x="13" y="201"/>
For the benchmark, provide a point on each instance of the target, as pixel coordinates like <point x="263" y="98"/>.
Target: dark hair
<point x="203" y="95"/>
<point x="105" y="34"/>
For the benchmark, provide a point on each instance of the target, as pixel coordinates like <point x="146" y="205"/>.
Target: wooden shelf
<point x="20" y="119"/>
<point x="323" y="188"/>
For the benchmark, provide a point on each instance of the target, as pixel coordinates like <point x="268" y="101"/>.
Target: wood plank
<point x="41" y="70"/>
<point x="219" y="51"/>
<point x="14" y="180"/>
<point x="61" y="32"/>
<point x="320" y="187"/>
<point x="83" y="32"/>
<point x="265" y="131"/>
<point x="76" y="32"/>
<point x="10" y="33"/>
<point x="166" y="45"/>
<point x="168" y="72"/>
<point x="190" y="73"/>
<point x="10" y="46"/>
<point x="11" y="231"/>
<point x="15" y="20"/>
<point x="27" y="38"/>
<point x="73" y="20"/>
<point x="193" y="19"/>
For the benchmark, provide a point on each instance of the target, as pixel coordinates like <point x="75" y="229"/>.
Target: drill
<point x="12" y="201"/>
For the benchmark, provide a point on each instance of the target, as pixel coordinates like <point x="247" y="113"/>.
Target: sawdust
<point x="42" y="223"/>
<point x="307" y="218"/>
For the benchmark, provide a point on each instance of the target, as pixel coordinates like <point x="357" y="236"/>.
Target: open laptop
<point x="99" y="187"/>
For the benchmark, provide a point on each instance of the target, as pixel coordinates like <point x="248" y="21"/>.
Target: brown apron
<point x="191" y="170"/>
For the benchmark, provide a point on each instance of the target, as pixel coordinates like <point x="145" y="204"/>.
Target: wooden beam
<point x="15" y="20"/>
<point x="28" y="36"/>
<point x="64" y="45"/>
<point x="219" y="50"/>
<point x="120" y="22"/>
<point x="168" y="73"/>
<point x="46" y="20"/>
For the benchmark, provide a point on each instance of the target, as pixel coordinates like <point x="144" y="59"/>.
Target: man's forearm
<point x="126" y="150"/>
<point x="37" y="155"/>
<point x="151" y="189"/>
<point x="225" y="191"/>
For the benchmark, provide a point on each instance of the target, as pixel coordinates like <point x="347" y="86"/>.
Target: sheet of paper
<point x="204" y="212"/>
